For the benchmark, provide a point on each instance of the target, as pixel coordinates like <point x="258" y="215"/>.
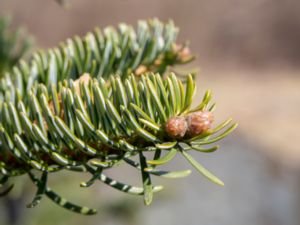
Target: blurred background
<point x="248" y="53"/>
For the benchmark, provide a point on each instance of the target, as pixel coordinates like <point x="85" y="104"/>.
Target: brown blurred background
<point x="249" y="55"/>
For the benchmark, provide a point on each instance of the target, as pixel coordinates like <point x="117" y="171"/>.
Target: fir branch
<point x="99" y="120"/>
<point x="152" y="47"/>
<point x="66" y="110"/>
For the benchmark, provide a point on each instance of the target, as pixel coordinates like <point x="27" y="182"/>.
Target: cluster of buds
<point x="190" y="125"/>
<point x="179" y="54"/>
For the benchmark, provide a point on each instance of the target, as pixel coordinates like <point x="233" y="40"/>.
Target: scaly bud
<point x="198" y="122"/>
<point x="176" y="127"/>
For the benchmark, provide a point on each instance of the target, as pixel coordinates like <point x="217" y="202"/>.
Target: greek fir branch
<point x="52" y="119"/>
<point x="152" y="47"/>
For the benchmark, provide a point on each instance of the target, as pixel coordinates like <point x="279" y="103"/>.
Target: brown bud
<point x="158" y="61"/>
<point x="199" y="122"/>
<point x="140" y="70"/>
<point x="176" y="127"/>
<point x="84" y="78"/>
<point x="183" y="53"/>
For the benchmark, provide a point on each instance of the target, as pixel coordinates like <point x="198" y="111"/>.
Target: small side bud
<point x="183" y="52"/>
<point x="176" y="127"/>
<point x="84" y="78"/>
<point x="140" y="70"/>
<point x="199" y="122"/>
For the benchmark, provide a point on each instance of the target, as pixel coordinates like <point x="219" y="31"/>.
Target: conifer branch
<point x="67" y="110"/>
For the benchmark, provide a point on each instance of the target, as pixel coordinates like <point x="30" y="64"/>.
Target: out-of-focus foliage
<point x="13" y="44"/>
<point x="64" y="3"/>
